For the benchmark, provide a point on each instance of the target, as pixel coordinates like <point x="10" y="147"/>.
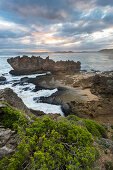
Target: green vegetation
<point x="102" y="143"/>
<point x="47" y="144"/>
<point x="12" y="118"/>
<point x="94" y="128"/>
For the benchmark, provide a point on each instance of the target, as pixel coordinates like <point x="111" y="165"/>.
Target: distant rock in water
<point x="30" y="65"/>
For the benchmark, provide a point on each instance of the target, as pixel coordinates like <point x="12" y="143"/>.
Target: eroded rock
<point x="12" y="98"/>
<point x="8" y="141"/>
<point x="26" y="65"/>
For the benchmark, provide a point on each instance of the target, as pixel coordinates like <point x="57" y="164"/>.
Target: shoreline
<point x="77" y="94"/>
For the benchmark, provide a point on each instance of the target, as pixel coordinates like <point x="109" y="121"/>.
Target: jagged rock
<point x="2" y="78"/>
<point x="27" y="65"/>
<point x="12" y="98"/>
<point x="102" y="85"/>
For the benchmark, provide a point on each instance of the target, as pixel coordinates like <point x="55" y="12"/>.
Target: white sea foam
<point x="46" y="93"/>
<point x="27" y="97"/>
<point x="10" y="77"/>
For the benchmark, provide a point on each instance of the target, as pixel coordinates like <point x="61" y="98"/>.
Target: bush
<point x="73" y="118"/>
<point x="94" y="128"/>
<point x="47" y="144"/>
<point x="12" y="118"/>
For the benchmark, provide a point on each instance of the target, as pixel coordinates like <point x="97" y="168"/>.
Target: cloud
<point x="104" y="2"/>
<point x="55" y="24"/>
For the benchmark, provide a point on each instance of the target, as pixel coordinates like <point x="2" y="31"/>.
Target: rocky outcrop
<point x="30" y="65"/>
<point x="102" y="85"/>
<point x="7" y="95"/>
<point x="12" y="98"/>
<point x="8" y="141"/>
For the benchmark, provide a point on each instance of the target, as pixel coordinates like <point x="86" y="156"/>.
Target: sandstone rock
<point x="27" y="65"/>
<point x="102" y="85"/>
<point x="8" y="141"/>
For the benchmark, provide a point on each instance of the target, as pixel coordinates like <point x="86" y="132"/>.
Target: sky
<point x="55" y="25"/>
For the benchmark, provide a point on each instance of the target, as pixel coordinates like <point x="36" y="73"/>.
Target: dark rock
<point x="65" y="108"/>
<point x="4" y="74"/>
<point x="24" y="79"/>
<point x="2" y="78"/>
<point x="26" y="88"/>
<point x="15" y="84"/>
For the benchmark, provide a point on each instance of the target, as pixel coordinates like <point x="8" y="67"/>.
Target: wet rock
<point x="26" y="88"/>
<point x="24" y="79"/>
<point x="65" y="108"/>
<point x="2" y="78"/>
<point x="4" y="74"/>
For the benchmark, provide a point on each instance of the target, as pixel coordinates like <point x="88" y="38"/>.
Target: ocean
<point x="89" y="61"/>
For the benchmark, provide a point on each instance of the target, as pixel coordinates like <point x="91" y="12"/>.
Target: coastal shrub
<point x="94" y="128"/>
<point x="47" y="144"/>
<point x="12" y="118"/>
<point x="109" y="165"/>
<point x="73" y="117"/>
<point x="103" y="144"/>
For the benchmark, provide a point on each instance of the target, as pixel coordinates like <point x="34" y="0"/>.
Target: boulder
<point x="30" y="65"/>
<point x="2" y="78"/>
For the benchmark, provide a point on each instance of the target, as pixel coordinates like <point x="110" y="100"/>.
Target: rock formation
<point x="30" y="65"/>
<point x="12" y="98"/>
<point x="8" y="141"/>
<point x="9" y="96"/>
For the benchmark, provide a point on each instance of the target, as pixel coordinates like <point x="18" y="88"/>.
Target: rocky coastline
<point x="81" y="96"/>
<point x="88" y="95"/>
